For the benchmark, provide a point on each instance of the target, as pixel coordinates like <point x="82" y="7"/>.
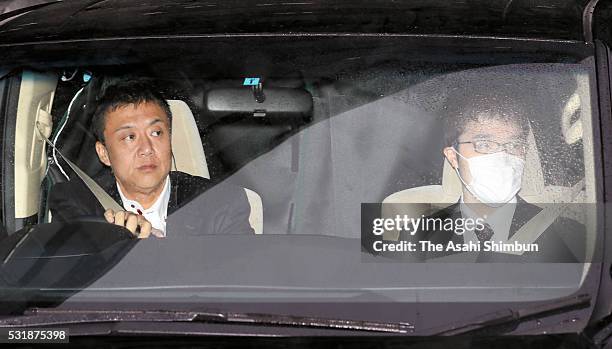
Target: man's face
<point x="494" y="130"/>
<point x="137" y="146"/>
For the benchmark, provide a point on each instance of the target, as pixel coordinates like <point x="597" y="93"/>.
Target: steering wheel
<point x="122" y="231"/>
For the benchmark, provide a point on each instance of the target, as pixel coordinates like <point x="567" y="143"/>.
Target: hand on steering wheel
<point x="135" y="223"/>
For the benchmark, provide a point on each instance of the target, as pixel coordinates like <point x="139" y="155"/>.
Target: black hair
<point x="488" y="102"/>
<point x="124" y="92"/>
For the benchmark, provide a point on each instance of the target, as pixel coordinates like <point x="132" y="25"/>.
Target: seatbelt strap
<point x="530" y="231"/>
<point x="537" y="225"/>
<point x="105" y="200"/>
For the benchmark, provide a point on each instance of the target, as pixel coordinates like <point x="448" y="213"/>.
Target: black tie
<point x="484" y="234"/>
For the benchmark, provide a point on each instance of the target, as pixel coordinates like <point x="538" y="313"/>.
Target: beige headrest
<point x="186" y="143"/>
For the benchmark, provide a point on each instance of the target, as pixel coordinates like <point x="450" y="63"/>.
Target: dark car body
<point x="273" y="36"/>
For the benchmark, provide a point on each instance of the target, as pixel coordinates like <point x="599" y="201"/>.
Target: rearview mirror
<point x="269" y="102"/>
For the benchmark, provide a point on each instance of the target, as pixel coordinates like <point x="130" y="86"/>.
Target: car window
<point x="344" y="131"/>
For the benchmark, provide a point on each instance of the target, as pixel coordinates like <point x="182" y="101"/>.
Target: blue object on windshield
<point x="250" y="82"/>
<point x="86" y="77"/>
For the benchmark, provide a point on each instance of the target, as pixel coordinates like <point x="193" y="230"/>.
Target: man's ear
<point x="102" y="153"/>
<point x="451" y="156"/>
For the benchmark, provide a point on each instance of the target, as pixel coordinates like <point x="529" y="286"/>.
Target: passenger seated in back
<point x="485" y="137"/>
<point x="132" y="127"/>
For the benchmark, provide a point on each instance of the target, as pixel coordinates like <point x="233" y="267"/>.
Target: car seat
<point x="189" y="156"/>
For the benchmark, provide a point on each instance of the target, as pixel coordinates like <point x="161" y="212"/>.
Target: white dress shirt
<point x="157" y="213"/>
<point x="500" y="221"/>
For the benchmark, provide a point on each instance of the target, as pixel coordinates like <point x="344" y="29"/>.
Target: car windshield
<point x="294" y="152"/>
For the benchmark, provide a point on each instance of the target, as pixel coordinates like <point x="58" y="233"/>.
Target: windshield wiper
<point x="509" y="318"/>
<point x="55" y="317"/>
<point x="504" y="319"/>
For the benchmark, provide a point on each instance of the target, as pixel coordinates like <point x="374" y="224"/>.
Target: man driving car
<point x="132" y="125"/>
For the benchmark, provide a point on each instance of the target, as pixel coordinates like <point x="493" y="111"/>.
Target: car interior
<point x="34" y="114"/>
<point x="309" y="166"/>
<point x="370" y="133"/>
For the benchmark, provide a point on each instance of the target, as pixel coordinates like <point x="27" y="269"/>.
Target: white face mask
<point x="496" y="178"/>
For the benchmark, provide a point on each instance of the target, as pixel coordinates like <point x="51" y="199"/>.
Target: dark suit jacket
<point x="203" y="207"/>
<point x="553" y="243"/>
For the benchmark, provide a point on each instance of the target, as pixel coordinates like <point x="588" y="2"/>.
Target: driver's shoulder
<point x="189" y="186"/>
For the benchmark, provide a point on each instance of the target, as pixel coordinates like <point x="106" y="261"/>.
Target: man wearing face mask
<point x="486" y="145"/>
